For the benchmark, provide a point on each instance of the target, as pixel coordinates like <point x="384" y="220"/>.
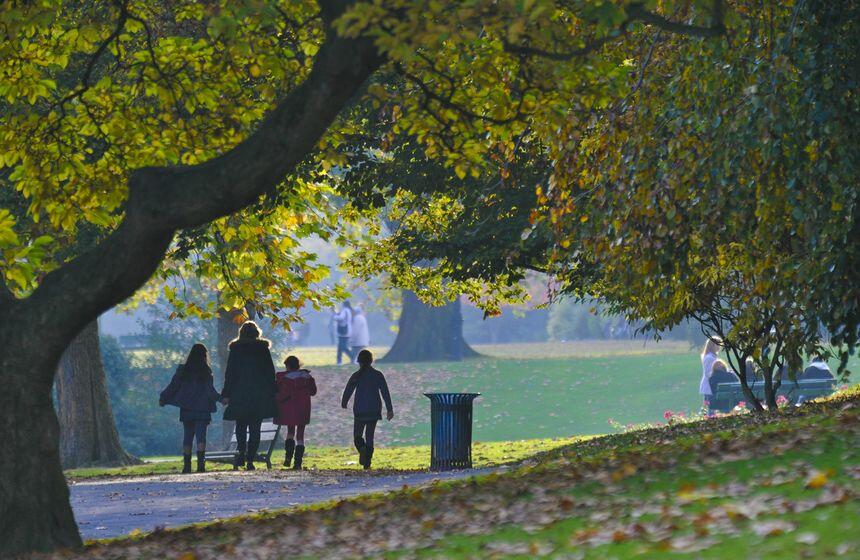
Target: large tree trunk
<point x="88" y="435"/>
<point x="428" y="333"/>
<point x="35" y="513"/>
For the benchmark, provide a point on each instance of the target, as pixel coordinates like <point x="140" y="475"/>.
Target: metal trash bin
<point x="451" y="430"/>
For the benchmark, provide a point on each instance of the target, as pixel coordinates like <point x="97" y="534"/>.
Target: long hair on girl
<point x="197" y="363"/>
<point x="713" y="345"/>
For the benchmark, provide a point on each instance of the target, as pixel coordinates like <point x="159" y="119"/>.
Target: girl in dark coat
<point x="192" y="390"/>
<point x="295" y="389"/>
<point x="249" y="390"/>
<point x="368" y="384"/>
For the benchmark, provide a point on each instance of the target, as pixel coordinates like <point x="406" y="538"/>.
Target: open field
<point x="540" y="390"/>
<point x="325" y="355"/>
<point x="741" y="485"/>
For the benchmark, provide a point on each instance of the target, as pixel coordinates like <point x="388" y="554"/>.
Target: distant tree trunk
<point x="428" y="333"/>
<point x="228" y="327"/>
<point x="88" y="435"/>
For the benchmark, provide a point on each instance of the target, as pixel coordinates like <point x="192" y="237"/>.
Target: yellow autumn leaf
<point x="816" y="479"/>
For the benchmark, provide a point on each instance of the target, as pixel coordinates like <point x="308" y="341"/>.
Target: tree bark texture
<point x="35" y="513"/>
<point x="426" y="333"/>
<point x="228" y="328"/>
<point x="88" y="435"/>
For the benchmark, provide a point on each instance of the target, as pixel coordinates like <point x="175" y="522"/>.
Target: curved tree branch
<point x="524" y="50"/>
<point x="636" y="12"/>
<point x="163" y="200"/>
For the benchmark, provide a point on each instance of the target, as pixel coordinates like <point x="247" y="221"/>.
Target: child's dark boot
<point x="289" y="448"/>
<point x="300" y="453"/>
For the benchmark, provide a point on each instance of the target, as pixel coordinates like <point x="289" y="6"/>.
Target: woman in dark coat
<point x="367" y="384"/>
<point x="249" y="390"/>
<point x="193" y="391"/>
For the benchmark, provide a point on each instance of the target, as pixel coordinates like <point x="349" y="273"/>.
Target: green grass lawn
<point x="404" y="458"/>
<point x="538" y="390"/>
<point x="740" y="486"/>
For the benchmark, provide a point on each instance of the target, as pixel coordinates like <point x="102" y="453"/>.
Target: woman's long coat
<point x="249" y="381"/>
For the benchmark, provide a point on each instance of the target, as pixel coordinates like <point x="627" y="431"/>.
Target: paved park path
<point x="115" y="507"/>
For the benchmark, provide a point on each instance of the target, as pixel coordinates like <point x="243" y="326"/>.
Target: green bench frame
<point x="269" y="433"/>
<point x="728" y="395"/>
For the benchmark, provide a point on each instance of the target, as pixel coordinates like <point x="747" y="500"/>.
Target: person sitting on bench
<point x="818" y="369"/>
<point x="720" y="374"/>
<point x="752" y="372"/>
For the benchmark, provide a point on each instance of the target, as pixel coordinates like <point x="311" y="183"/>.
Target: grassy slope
<point x="735" y="486"/>
<point x="744" y="507"/>
<point x="404" y="458"/>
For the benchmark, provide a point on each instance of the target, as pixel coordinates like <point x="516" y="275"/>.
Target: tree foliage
<point x="725" y="189"/>
<point x="715" y="181"/>
<point x="146" y="119"/>
<point x="111" y="88"/>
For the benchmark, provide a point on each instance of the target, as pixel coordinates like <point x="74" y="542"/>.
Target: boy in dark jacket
<point x="367" y="384"/>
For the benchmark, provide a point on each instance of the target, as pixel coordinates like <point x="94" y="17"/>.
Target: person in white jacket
<point x="709" y="356"/>
<point x="360" y="334"/>
<point x="343" y="329"/>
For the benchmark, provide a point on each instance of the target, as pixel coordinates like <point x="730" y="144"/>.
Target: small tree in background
<point x="738" y="208"/>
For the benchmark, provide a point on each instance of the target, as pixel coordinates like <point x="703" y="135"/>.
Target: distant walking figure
<point x="295" y="389"/>
<point x="709" y="356"/>
<point x="360" y="335"/>
<point x="249" y="390"/>
<point x="368" y="384"/>
<point x="343" y="329"/>
<point x="193" y="391"/>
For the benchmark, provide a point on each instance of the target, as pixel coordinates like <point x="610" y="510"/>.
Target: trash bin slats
<point x="451" y="430"/>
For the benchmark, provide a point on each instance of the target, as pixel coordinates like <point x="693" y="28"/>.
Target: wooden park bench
<point x="269" y="433"/>
<point x="728" y="395"/>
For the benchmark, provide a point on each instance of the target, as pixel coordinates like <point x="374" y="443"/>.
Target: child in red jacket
<point x="295" y="389"/>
